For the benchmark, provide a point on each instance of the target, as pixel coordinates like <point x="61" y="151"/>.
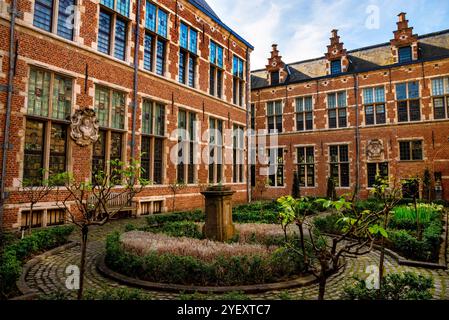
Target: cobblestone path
<point x="49" y="276"/>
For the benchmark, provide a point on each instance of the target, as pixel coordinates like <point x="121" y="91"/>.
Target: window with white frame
<point x="375" y="170"/>
<point x="305" y="163"/>
<point x="339" y="164"/>
<point x="55" y="16"/>
<point x="238" y="154"/>
<point x="187" y="147"/>
<point x="155" y="42"/>
<point x="276" y="169"/>
<point x="215" y="150"/>
<point x="187" y="55"/>
<point x="216" y="70"/>
<point x="411" y="150"/>
<point x="274" y="116"/>
<point x="374" y="104"/>
<point x="440" y="96"/>
<point x="337" y="110"/>
<point x="408" y="100"/>
<point x="304" y="113"/>
<point x="238" y="85"/>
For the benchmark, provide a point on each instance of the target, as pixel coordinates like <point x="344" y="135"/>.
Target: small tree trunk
<point x="30" y="223"/>
<point x="303" y="246"/>
<point x="322" y="281"/>
<point x="84" y="235"/>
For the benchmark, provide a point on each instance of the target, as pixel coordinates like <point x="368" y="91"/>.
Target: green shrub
<point x="256" y="212"/>
<point x="169" y="268"/>
<point x="407" y="286"/>
<point x="181" y="229"/>
<point x="372" y="205"/>
<point x="328" y="224"/>
<point x="160" y="219"/>
<point x="15" y="254"/>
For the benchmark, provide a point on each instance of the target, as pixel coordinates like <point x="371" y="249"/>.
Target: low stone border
<point x="27" y="292"/>
<point x="141" y="284"/>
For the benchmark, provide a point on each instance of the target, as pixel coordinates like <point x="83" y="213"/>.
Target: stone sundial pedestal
<point x="218" y="226"/>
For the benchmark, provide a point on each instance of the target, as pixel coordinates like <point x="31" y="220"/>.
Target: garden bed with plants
<point x="171" y="249"/>
<point x="414" y="233"/>
<point x="14" y="253"/>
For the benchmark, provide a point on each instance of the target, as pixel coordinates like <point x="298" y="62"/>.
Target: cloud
<point x="302" y="28"/>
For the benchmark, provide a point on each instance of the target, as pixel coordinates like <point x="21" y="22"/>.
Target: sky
<point x="302" y="28"/>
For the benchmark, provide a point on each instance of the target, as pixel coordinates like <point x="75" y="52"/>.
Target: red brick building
<point x="191" y="73"/>
<point x="354" y="114"/>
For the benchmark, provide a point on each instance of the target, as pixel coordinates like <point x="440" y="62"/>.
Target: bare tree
<point x="175" y="189"/>
<point x="95" y="203"/>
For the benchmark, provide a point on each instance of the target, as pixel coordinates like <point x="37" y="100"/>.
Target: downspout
<point x="13" y="11"/>
<point x="248" y="125"/>
<point x="357" y="137"/>
<point x="136" y="78"/>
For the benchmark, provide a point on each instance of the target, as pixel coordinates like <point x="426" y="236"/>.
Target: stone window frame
<point x="238" y="81"/>
<point x="303" y="113"/>
<point x="151" y="137"/>
<point x="114" y="16"/>
<point x="54" y="19"/>
<point x="48" y="119"/>
<point x="338" y="109"/>
<point x="375" y="104"/>
<point x="238" y="154"/>
<point x="190" y="144"/>
<point x="216" y="168"/>
<point x="279" y="167"/>
<point x="191" y="57"/>
<point x="340" y="163"/>
<point x="216" y="70"/>
<point x="410" y="157"/>
<point x="109" y="130"/>
<point x="443" y="96"/>
<point x="370" y="181"/>
<point x="306" y="164"/>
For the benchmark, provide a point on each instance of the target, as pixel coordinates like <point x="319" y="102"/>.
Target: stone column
<point x="218" y="226"/>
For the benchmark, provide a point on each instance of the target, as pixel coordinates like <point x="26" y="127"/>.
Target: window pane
<point x="145" y="158"/>
<point x="308" y="104"/>
<point x="58" y="142"/>
<point x="102" y="106"/>
<point x="212" y="80"/>
<point x="331" y="101"/>
<point x="413" y="90"/>
<point x="333" y="151"/>
<point x="380" y="114"/>
<point x="116" y="146"/>
<point x="380" y="94"/>
<point x="402" y="111"/>
<point x="415" y="110"/>
<point x="220" y="56"/>
<point x="342" y="121"/>
<point x="99" y="154"/>
<point x="148" y="52"/>
<point x="219" y="83"/>
<point x="336" y="67"/>
<point x="369" y="115"/>
<point x="332" y="119"/>
<point x="344" y="175"/>
<point x="342" y="99"/>
<point x="184" y="36"/>
<point x="191" y="72"/>
<point x="240" y="68"/>
<point x="344" y="154"/>
<point x="120" y="39"/>
<point x="38" y="93"/>
<point x="158" y="152"/>
<point x="417" y="150"/>
<point x="235" y="66"/>
<point x="309" y="121"/>
<point x="404" y="148"/>
<point x="43" y="10"/>
<point x="439" y="109"/>
<point x="372" y="173"/>
<point x="299" y="105"/>
<point x="300" y="122"/>
<point x="118" y="110"/>
<point x="62" y="98"/>
<point x="104" y="32"/>
<point x="405" y="54"/>
<point x="108" y="3"/>
<point x="160" y="57"/>
<point x="182" y="66"/>
<point x="193" y="41"/>
<point x="34" y="152"/>
<point x="159" y="125"/>
<point x="438" y="87"/>
<point x="65" y="22"/>
<point x="162" y="23"/>
<point x="147" y="117"/>
<point x="401" y="91"/>
<point x="213" y="52"/>
<point x="150" y="22"/>
<point x="368" y="97"/>
<point x="123" y="7"/>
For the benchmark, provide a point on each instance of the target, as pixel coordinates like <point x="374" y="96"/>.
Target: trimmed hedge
<point x="14" y="255"/>
<point x="173" y="269"/>
<point x="257" y="212"/>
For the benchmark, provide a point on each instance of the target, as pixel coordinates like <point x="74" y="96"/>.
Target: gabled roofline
<point x="221" y="23"/>
<point x="428" y="35"/>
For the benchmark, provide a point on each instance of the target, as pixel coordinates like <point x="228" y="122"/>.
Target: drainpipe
<point x="357" y="137"/>
<point x="248" y="124"/>
<point x="10" y="88"/>
<point x="136" y="78"/>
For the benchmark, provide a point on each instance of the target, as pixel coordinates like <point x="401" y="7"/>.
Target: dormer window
<point x="405" y="54"/>
<point x="275" y="77"/>
<point x="336" y="67"/>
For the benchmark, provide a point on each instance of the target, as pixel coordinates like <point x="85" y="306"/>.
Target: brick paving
<point x="49" y="276"/>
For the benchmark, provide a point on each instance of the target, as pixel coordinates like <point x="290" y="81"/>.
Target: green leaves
<point x="378" y="230"/>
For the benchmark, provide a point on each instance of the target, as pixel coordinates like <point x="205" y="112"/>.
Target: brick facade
<point x="371" y="67"/>
<point x="52" y="53"/>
